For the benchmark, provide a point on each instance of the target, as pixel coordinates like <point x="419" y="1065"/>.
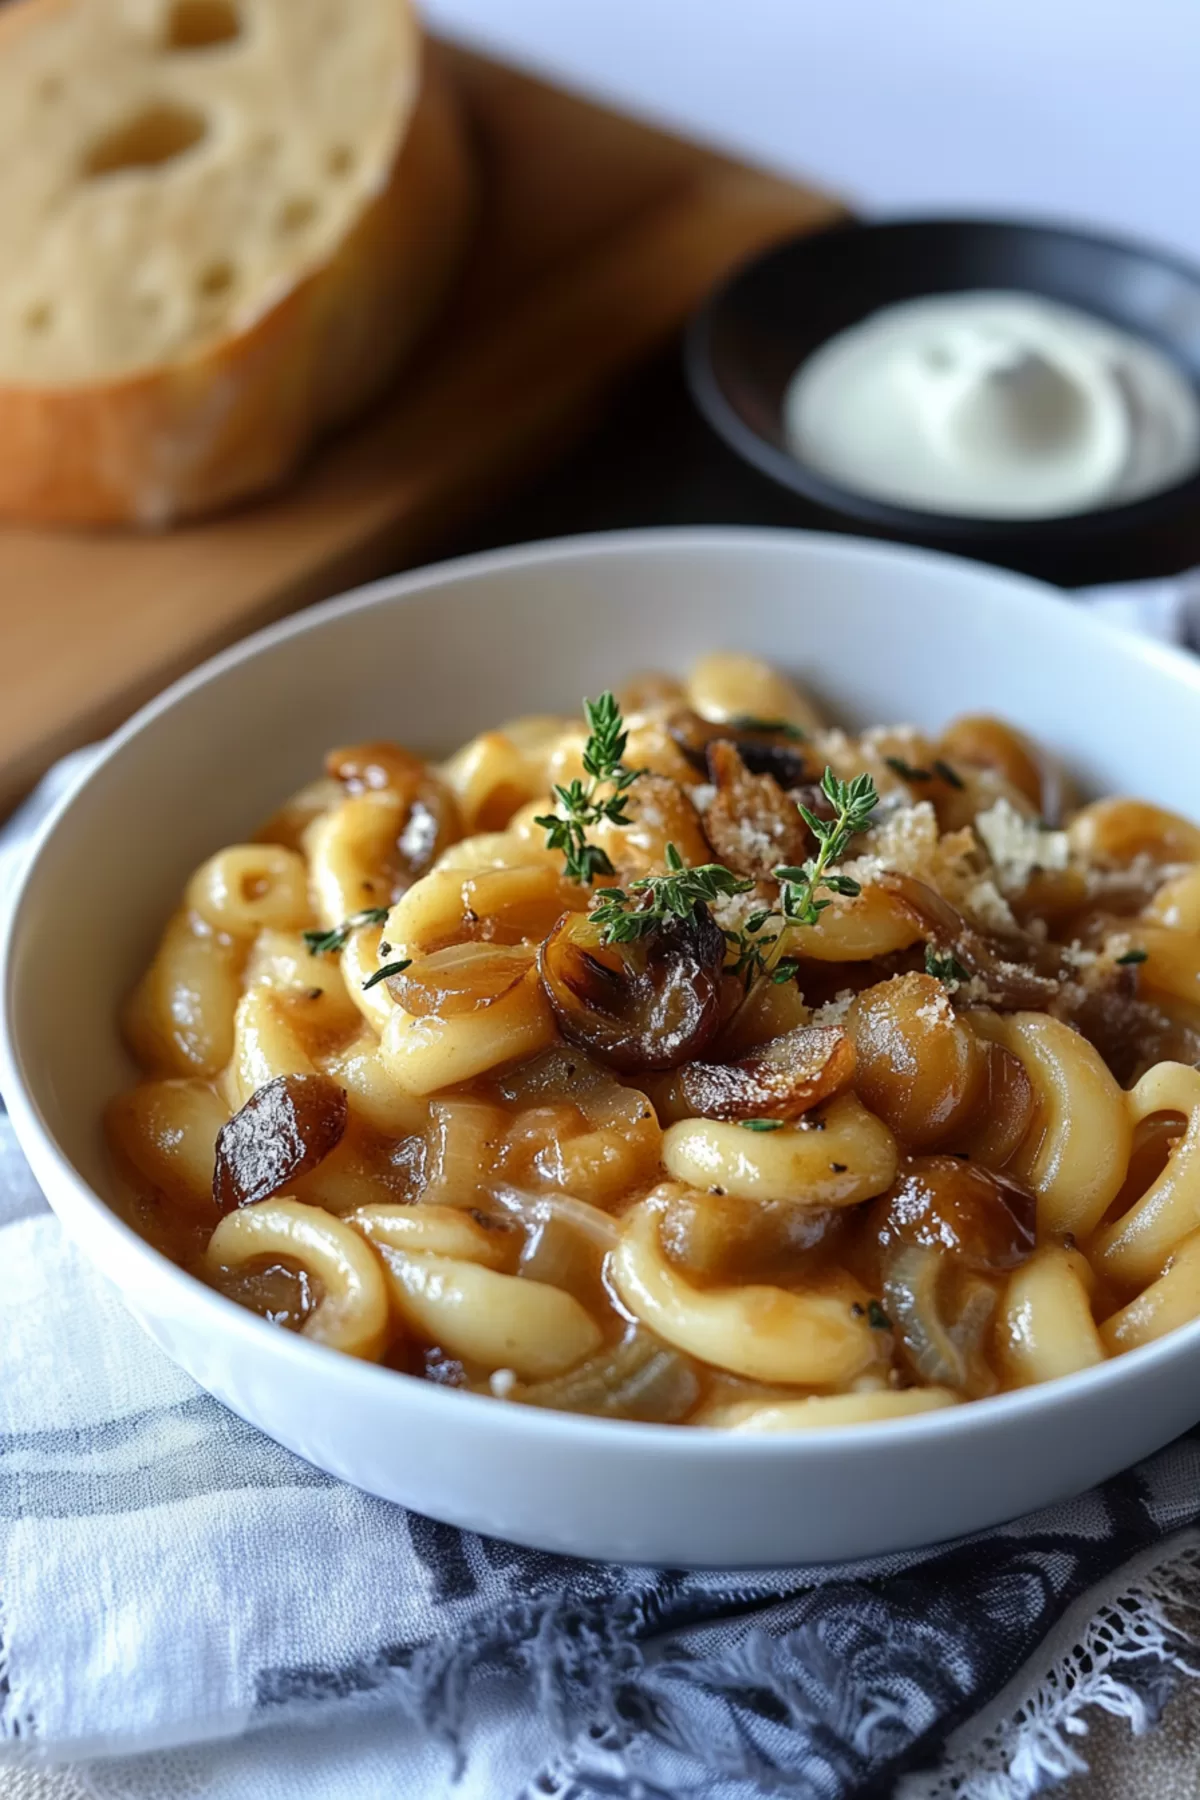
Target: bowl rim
<point x="951" y="529"/>
<point x="124" y="1254"/>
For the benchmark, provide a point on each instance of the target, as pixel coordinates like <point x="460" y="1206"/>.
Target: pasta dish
<point x="691" y="1061"/>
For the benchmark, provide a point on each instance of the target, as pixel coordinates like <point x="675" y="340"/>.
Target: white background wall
<point x="1088" y="109"/>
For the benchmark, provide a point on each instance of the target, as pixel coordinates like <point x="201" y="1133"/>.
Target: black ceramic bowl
<point x="747" y="341"/>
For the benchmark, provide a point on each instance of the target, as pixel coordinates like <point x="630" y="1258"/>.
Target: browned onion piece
<point x="942" y="1333"/>
<point x="363" y="768"/>
<point x="1051" y="896"/>
<point x="433" y="823"/>
<point x="1113" y="896"/>
<point x="642" y="1378"/>
<point x="985" y="1221"/>
<point x="1005" y="1112"/>
<point x="779" y="1080"/>
<point x="460" y="979"/>
<point x="751" y="824"/>
<point x="920" y="1067"/>
<point x="432" y="820"/>
<point x="911" y="1298"/>
<point x="651" y="1004"/>
<point x="284" y="1130"/>
<point x="769" y="1010"/>
<point x="284" y="1296"/>
<point x="763" y="752"/>
<point x="423" y="836"/>
<point x="718" y="1238"/>
<point x="1022" y="974"/>
<point x="1130" y="1032"/>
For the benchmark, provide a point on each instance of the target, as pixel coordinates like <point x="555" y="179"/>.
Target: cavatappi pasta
<point x="610" y="1115"/>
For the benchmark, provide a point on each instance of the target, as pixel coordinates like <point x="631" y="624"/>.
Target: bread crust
<point x="236" y="417"/>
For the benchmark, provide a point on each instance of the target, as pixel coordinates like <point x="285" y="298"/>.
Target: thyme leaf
<point x="392" y="968"/>
<point x="328" y="943"/>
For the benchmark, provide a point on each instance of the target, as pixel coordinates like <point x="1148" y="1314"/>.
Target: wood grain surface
<point x="598" y="237"/>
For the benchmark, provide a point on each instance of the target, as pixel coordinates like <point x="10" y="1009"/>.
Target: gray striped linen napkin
<point x="188" y="1610"/>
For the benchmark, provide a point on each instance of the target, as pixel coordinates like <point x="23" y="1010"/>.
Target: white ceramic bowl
<point x="880" y="634"/>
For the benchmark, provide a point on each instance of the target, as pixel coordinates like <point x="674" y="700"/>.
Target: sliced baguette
<point x="174" y="333"/>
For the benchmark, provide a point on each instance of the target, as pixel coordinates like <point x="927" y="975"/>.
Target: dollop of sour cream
<point x="994" y="405"/>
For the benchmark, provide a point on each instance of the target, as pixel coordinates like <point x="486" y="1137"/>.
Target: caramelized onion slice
<point x="1129" y="1030"/>
<point x="285" y="1129"/>
<point x="751" y="824"/>
<point x="943" y="1338"/>
<point x="716" y="1237"/>
<point x="364" y="768"/>
<point x="642" y="1378"/>
<point x="920" y="1066"/>
<point x="651" y="1004"/>
<point x="432" y="818"/>
<point x="433" y="822"/>
<point x="1022" y="974"/>
<point x="984" y="1221"/>
<point x="1005" y="1111"/>
<point x="763" y="750"/>
<point x="780" y="1080"/>
<point x="592" y="1223"/>
<point x="461" y="978"/>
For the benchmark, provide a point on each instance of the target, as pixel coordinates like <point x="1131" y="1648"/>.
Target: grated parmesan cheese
<point x="906" y="840"/>
<point x="936" y="1010"/>
<point x="732" y="910"/>
<point x="986" y="906"/>
<point x="897" y="799"/>
<point x="835" y="1010"/>
<point x="1018" y="846"/>
<point x="887" y="740"/>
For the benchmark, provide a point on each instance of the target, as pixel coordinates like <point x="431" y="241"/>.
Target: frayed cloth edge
<point x="1124" y="1648"/>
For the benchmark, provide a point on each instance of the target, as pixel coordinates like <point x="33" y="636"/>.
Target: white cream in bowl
<point x="993" y="405"/>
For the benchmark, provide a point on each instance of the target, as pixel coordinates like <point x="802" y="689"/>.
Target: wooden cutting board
<point x="598" y="237"/>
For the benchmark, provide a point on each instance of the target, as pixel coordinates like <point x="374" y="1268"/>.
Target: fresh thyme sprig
<point x="328" y="943"/>
<point x="759" y="953"/>
<point x="625" y="916"/>
<point x="583" y="804"/>
<point x="853" y="802"/>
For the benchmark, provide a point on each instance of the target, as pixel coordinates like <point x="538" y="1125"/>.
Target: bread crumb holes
<point x="198" y="24"/>
<point x="156" y="135"/>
